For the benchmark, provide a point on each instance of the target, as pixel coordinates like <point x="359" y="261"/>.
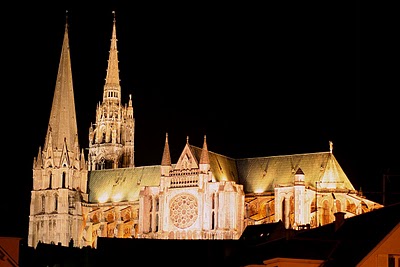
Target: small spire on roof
<point x="166" y="157"/>
<point x="204" y="159"/>
<point x="187" y="139"/>
<point x="330" y="146"/>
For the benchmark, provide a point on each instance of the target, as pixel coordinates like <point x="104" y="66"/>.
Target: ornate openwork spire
<point x="112" y="88"/>
<point x="111" y="141"/>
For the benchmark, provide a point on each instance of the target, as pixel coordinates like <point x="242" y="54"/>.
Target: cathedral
<point x="81" y="194"/>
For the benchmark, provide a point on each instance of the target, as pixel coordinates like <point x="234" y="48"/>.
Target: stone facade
<point x="189" y="203"/>
<point x="204" y="195"/>
<point x="59" y="170"/>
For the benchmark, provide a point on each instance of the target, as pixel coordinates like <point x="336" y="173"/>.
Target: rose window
<point x="183" y="210"/>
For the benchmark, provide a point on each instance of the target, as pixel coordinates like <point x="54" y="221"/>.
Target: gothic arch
<point x="50" y="175"/>
<point x="43" y="203"/>
<point x="63" y="179"/>
<point x="101" y="134"/>
<point x="55" y="202"/>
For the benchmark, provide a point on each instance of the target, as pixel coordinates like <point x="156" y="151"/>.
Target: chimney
<point x="339" y="219"/>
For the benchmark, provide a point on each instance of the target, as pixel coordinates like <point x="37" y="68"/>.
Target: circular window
<point x="183" y="210"/>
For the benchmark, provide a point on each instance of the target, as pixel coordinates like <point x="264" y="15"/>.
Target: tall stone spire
<point x="111" y="137"/>
<point x="62" y="124"/>
<point x="59" y="172"/>
<point x="112" y="87"/>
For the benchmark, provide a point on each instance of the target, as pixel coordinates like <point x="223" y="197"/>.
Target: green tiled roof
<point x="223" y="168"/>
<point x="262" y="174"/>
<point x="257" y="175"/>
<point x="121" y="184"/>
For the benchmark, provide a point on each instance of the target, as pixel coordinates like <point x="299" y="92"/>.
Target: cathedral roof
<point x="121" y="184"/>
<point x="257" y="175"/>
<point x="223" y="168"/>
<point x="264" y="173"/>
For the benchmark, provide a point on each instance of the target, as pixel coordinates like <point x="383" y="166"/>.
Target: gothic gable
<point x="187" y="160"/>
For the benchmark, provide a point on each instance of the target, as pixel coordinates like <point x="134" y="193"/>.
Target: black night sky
<point x="267" y="79"/>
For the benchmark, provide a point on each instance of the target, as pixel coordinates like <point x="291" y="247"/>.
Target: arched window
<point x="157" y="204"/>
<point x="157" y="218"/>
<point x="101" y="164"/>
<point x="43" y="203"/>
<point x="55" y="202"/>
<point x="157" y="207"/>
<point x="63" y="180"/>
<point x="50" y="179"/>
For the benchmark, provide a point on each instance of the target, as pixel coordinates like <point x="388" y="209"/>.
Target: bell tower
<point x="111" y="137"/>
<point x="59" y="170"/>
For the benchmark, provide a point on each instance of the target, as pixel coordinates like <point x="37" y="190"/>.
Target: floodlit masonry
<point x="204" y="195"/>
